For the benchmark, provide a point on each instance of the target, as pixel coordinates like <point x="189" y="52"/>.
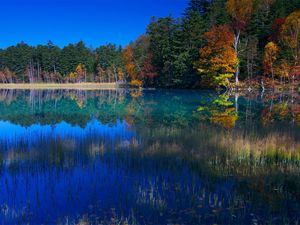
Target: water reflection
<point x="152" y="157"/>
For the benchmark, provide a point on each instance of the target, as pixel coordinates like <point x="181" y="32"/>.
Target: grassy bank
<point x="70" y="86"/>
<point x="261" y="83"/>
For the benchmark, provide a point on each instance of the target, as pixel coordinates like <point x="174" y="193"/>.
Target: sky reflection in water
<point x="156" y="157"/>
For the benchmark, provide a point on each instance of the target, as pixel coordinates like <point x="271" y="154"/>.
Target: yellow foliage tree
<point x="72" y="77"/>
<point x="80" y="71"/>
<point x="270" y="56"/>
<point x="290" y="35"/>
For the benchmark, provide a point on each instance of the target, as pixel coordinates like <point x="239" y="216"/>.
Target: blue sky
<point x="96" y="22"/>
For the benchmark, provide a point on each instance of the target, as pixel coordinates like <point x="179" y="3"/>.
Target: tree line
<point x="215" y="43"/>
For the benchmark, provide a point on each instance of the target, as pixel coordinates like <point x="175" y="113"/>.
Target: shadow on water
<point x="152" y="157"/>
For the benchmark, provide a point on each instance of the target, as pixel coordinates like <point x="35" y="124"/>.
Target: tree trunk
<point x="236" y="48"/>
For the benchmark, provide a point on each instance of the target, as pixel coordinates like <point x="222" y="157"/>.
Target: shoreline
<point x="66" y="86"/>
<point x="242" y="88"/>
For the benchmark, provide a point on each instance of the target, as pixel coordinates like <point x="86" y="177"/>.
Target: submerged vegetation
<point x="126" y="155"/>
<point x="215" y="43"/>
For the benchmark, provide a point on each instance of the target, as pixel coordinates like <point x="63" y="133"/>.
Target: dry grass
<point x="269" y="145"/>
<point x="68" y="86"/>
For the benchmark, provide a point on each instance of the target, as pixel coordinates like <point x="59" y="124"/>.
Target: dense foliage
<point x="215" y="43"/>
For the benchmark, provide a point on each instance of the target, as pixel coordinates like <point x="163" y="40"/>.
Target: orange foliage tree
<point x="218" y="58"/>
<point x="270" y="56"/>
<point x="130" y="66"/>
<point x="240" y="12"/>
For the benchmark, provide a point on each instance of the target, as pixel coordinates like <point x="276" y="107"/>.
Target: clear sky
<point x="95" y="22"/>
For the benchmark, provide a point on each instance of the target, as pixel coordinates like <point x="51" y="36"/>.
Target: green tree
<point x="162" y="34"/>
<point x="72" y="55"/>
<point x="109" y="62"/>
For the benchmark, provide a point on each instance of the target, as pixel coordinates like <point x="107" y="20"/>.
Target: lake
<point x="151" y="157"/>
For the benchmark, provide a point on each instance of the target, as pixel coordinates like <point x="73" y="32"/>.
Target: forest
<point x="215" y="43"/>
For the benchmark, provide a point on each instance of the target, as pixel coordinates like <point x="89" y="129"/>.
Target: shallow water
<point x="152" y="157"/>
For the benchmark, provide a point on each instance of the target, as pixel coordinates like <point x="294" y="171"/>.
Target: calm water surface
<point x="152" y="157"/>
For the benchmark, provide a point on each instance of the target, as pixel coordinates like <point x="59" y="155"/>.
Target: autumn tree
<point x="71" y="77"/>
<point x="165" y="55"/>
<point x="81" y="72"/>
<point x="276" y="29"/>
<point x="290" y="35"/>
<point x="149" y="71"/>
<point x="270" y="56"/>
<point x="130" y="66"/>
<point x="240" y="12"/>
<point x="283" y="70"/>
<point x="218" y="59"/>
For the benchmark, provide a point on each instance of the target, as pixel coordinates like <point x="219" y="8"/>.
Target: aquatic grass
<point x="273" y="145"/>
<point x="163" y="156"/>
<point x="222" y="151"/>
<point x="217" y="148"/>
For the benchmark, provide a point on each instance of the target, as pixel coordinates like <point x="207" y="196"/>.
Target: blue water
<point x="103" y="157"/>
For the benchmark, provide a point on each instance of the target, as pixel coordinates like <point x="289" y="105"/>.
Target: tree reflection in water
<point x="155" y="157"/>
